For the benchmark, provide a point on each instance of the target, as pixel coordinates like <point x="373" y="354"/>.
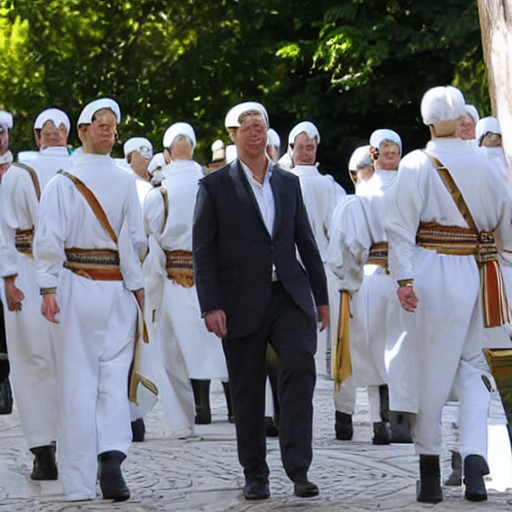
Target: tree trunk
<point x="496" y="29"/>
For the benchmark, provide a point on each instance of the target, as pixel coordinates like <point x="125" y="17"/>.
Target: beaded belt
<point x="23" y="240"/>
<point x="180" y="267"/>
<point x="378" y="255"/>
<point x="96" y="264"/>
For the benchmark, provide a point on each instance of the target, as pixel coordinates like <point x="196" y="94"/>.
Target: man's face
<point x="4" y="139"/>
<point x="466" y="128"/>
<point x="491" y="140"/>
<point x="304" y="150"/>
<point x="99" y="136"/>
<point x="389" y="157"/>
<point x="50" y="136"/>
<point x="251" y="137"/>
<point x="139" y="164"/>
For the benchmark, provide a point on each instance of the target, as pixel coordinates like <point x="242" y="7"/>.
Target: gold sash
<point x="341" y="361"/>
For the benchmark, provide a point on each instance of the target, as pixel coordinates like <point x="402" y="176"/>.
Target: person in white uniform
<point x="29" y="335"/>
<point x="436" y="246"/>
<point x="138" y="152"/>
<point x="188" y="350"/>
<point x="87" y="247"/>
<point x="466" y="125"/>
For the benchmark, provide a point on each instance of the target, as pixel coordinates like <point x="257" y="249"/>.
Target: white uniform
<point x="95" y="337"/>
<point x="29" y="335"/>
<point x="446" y="329"/>
<point x="321" y="194"/>
<point x="188" y="350"/>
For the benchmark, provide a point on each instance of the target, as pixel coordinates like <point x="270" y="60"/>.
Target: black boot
<point x="343" y="426"/>
<point x="455" y="477"/>
<point x="138" y="430"/>
<point x="113" y="486"/>
<point x="45" y="467"/>
<point x="428" y="489"/>
<point x="475" y="468"/>
<point x="229" y="404"/>
<point x="382" y="429"/>
<point x="400" y="427"/>
<point x="271" y="429"/>
<point x="5" y="396"/>
<point x="201" y="390"/>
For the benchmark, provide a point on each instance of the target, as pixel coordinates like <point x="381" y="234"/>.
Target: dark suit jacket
<point x="233" y="251"/>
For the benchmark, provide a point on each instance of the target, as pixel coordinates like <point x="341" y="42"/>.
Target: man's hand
<point x="408" y="298"/>
<point x="139" y="297"/>
<point x="216" y="322"/>
<point x="323" y="316"/>
<point x="13" y="295"/>
<point x="50" y="308"/>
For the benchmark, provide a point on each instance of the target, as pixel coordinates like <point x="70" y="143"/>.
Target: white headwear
<point x="179" y="129"/>
<point x="55" y="115"/>
<point x="273" y="138"/>
<point x="235" y="114"/>
<point x="156" y="162"/>
<point x="218" y="152"/>
<point x="6" y="158"/>
<point x="383" y="134"/>
<point x="139" y="144"/>
<point x="6" y="119"/>
<point x="486" y="125"/>
<point x="360" y="158"/>
<point x="93" y="107"/>
<point x="442" y="104"/>
<point x="231" y="153"/>
<point x="308" y="128"/>
<point x="472" y="112"/>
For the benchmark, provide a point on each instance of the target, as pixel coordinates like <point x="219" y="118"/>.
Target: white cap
<point x="231" y="153"/>
<point x="179" y="129"/>
<point x="383" y="134"/>
<point x="308" y="128"/>
<point x="472" y="112"/>
<point x="218" y="150"/>
<point x="486" y="125"/>
<point x="442" y="104"/>
<point x="156" y="162"/>
<point x="273" y="138"/>
<point x="139" y="144"/>
<point x="55" y="115"/>
<point x="360" y="158"/>
<point x="6" y="119"/>
<point x="235" y="114"/>
<point x="93" y="107"/>
<point x="6" y="158"/>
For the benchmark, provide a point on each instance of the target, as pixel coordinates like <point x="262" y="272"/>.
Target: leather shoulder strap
<point x="165" y="197"/>
<point x="33" y="175"/>
<point x="93" y="203"/>
<point x="456" y="194"/>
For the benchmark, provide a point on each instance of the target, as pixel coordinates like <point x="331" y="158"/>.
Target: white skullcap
<point x="308" y="128"/>
<point x="55" y="115"/>
<point x="235" y="114"/>
<point x="231" y="153"/>
<point x="6" y="158"/>
<point x="93" y="107"/>
<point x="6" y="119"/>
<point x="218" y="150"/>
<point x="179" y="129"/>
<point x="486" y="125"/>
<point x="360" y="158"/>
<point x="383" y="134"/>
<point x="139" y="144"/>
<point x="156" y="162"/>
<point x="273" y="138"/>
<point x="442" y="104"/>
<point x="472" y="112"/>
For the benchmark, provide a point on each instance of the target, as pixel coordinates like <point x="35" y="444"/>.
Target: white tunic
<point x="94" y="339"/>
<point x="29" y="339"/>
<point x="447" y="329"/>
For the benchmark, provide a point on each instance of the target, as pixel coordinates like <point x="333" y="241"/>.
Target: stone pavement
<point x="203" y="474"/>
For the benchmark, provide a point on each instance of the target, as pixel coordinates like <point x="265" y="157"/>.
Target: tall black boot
<point x="475" y="468"/>
<point x="455" y="477"/>
<point x="113" y="486"/>
<point x="343" y="426"/>
<point x="382" y="429"/>
<point x="400" y="427"/>
<point x="229" y="403"/>
<point x="201" y="389"/>
<point x="138" y="430"/>
<point x="428" y="489"/>
<point x="45" y="467"/>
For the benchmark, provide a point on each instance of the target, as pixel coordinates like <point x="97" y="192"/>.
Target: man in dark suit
<point x="249" y="223"/>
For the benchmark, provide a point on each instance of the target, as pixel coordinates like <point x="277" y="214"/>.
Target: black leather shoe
<point x="45" y="467"/>
<point x="343" y="426"/>
<point x="256" y="490"/>
<point x="305" y="489"/>
<point x="428" y="489"/>
<point x="138" y="430"/>
<point x="475" y="468"/>
<point x="271" y="429"/>
<point x="381" y="433"/>
<point x="113" y="486"/>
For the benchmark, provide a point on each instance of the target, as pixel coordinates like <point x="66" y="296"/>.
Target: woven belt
<point x="378" y="255"/>
<point x="96" y="264"/>
<point x="180" y="267"/>
<point x="457" y="241"/>
<point x="23" y="240"/>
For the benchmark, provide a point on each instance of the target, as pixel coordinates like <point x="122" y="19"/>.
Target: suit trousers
<point x="292" y="334"/>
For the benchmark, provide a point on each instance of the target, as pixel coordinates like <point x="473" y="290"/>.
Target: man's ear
<point x="37" y="137"/>
<point x="82" y="132"/>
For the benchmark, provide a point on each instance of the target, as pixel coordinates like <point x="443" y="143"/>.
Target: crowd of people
<point x="128" y="278"/>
